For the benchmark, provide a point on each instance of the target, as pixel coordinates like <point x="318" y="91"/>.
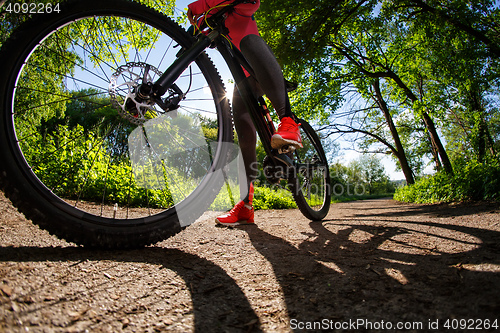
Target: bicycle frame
<point x="130" y="158"/>
<point x="236" y="62"/>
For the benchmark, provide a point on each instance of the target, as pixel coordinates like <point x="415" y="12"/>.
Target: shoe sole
<point x="277" y="142"/>
<point x="235" y="223"/>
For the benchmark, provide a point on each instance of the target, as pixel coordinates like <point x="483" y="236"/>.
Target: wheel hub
<point x="130" y="91"/>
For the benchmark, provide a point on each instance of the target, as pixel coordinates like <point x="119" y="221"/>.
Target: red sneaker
<point x="288" y="133"/>
<point x="240" y="214"/>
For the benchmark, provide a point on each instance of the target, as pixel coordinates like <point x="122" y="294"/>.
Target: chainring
<point x="274" y="172"/>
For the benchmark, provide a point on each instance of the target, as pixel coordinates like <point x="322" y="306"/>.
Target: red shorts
<point x="240" y="23"/>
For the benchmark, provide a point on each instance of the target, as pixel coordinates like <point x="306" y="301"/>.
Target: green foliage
<point x="438" y="58"/>
<point x="472" y="181"/>
<point x="335" y="50"/>
<point x="272" y="198"/>
<point x="362" y="177"/>
<point x="299" y="33"/>
<point x="264" y="198"/>
<point x="89" y="163"/>
<point x="72" y="164"/>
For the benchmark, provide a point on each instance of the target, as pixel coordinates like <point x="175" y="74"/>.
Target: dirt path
<point x="372" y="263"/>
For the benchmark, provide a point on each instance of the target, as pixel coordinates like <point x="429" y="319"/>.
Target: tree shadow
<point x="218" y="302"/>
<point x="383" y="273"/>
<point x="435" y="210"/>
<point x="364" y="266"/>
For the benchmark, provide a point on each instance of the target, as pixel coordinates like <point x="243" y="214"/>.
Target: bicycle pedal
<point x="286" y="149"/>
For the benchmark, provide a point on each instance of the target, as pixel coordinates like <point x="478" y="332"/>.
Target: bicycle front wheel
<point x="310" y="183"/>
<point x="82" y="154"/>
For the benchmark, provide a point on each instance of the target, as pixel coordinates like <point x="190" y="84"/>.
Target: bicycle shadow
<point x="217" y="300"/>
<point x="386" y="275"/>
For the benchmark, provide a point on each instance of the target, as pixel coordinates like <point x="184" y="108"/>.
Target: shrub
<point x="269" y="198"/>
<point x="472" y="181"/>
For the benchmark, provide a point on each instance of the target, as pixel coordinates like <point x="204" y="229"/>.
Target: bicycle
<point x="126" y="150"/>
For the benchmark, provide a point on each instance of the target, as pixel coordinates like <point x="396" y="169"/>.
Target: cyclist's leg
<point x="270" y="77"/>
<point x="247" y="139"/>
<point x="268" y="72"/>
<point x="243" y="212"/>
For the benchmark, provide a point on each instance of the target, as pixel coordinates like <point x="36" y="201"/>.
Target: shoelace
<point x="237" y="208"/>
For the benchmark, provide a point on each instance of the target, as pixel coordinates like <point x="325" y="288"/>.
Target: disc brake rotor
<point x="123" y="91"/>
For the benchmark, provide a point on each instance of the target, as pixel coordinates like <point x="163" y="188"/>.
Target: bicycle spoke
<point x="193" y="110"/>
<point x="87" y="53"/>
<point x="77" y="107"/>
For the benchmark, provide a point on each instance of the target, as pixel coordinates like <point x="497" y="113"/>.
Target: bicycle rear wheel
<point x="310" y="183"/>
<point x="82" y="155"/>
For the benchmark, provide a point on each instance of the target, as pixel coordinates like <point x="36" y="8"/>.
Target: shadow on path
<point x="375" y="268"/>
<point x="218" y="302"/>
<point x="397" y="264"/>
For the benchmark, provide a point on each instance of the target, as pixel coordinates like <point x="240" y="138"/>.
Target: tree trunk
<point x="489" y="139"/>
<point x="435" y="154"/>
<point x="481" y="141"/>
<point x="400" y="154"/>
<point x="479" y="134"/>
<point x="436" y="141"/>
<point x="429" y="124"/>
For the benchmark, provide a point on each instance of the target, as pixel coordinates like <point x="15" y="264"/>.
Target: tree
<point x="376" y="54"/>
<point x="411" y="50"/>
<point x="477" y="18"/>
<point x="371" y="173"/>
<point x="457" y="49"/>
<point x="365" y="175"/>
